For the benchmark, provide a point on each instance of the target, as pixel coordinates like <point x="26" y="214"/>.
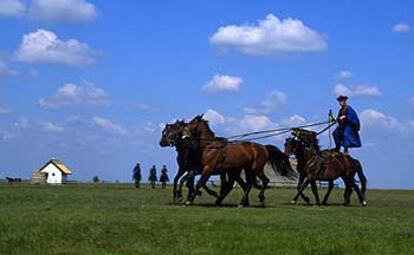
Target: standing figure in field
<point x="164" y="177"/>
<point x="346" y="134"/>
<point x="137" y="175"/>
<point x="153" y="176"/>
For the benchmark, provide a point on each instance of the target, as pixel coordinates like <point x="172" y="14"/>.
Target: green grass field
<point x="119" y="219"/>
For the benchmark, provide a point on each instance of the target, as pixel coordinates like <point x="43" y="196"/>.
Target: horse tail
<point x="280" y="162"/>
<point x="361" y="176"/>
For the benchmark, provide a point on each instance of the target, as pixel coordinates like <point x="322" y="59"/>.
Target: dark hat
<point x="342" y="98"/>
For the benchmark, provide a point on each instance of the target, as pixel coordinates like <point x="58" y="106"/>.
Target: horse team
<point x="200" y="152"/>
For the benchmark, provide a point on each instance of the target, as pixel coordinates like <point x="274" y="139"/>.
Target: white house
<point x="56" y="171"/>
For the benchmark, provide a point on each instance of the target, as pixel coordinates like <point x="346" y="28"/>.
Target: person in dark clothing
<point x="153" y="176"/>
<point x="164" y="177"/>
<point x="136" y="176"/>
<point x="346" y="134"/>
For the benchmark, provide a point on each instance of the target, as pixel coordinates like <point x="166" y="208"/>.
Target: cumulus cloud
<point x="345" y="74"/>
<point x="293" y="121"/>
<point x="401" y="28"/>
<point x="5" y="70"/>
<point x="13" y="8"/>
<point x="4" y="109"/>
<point x="232" y="126"/>
<point x="371" y="117"/>
<point x="76" y="95"/>
<point x="274" y="100"/>
<point x="62" y="11"/>
<point x="359" y="90"/>
<point x="51" y="127"/>
<point x="108" y="126"/>
<point x="223" y="83"/>
<point x="269" y="36"/>
<point x="214" y="118"/>
<point x="44" y="46"/>
<point x="57" y="11"/>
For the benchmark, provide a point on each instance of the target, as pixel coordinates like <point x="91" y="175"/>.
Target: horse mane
<point x="308" y="137"/>
<point x="203" y="123"/>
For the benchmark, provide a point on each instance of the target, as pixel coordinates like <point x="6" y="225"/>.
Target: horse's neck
<point x="206" y="136"/>
<point x="306" y="153"/>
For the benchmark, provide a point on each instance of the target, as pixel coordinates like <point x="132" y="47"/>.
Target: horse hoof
<point x="187" y="203"/>
<point x="293" y="202"/>
<point x="364" y="203"/>
<point x="262" y="205"/>
<point x="345" y="205"/>
<point x="240" y="206"/>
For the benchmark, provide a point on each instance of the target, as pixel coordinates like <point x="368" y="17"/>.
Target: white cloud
<point x="293" y="121"/>
<point x="345" y="74"/>
<point x="371" y="117"/>
<point x="57" y="11"/>
<point x="51" y="128"/>
<point x="359" y="90"/>
<point x="223" y="83"/>
<point x="14" y="8"/>
<point x="108" y="126"/>
<point x="252" y="123"/>
<point x="22" y="123"/>
<point x="233" y="126"/>
<point x="214" y="118"/>
<point x="6" y="135"/>
<point x="74" y="95"/>
<point x="4" y="109"/>
<point x="269" y="36"/>
<point x="43" y="46"/>
<point x="5" y="70"/>
<point x="62" y="11"/>
<point x="274" y="100"/>
<point x="401" y="28"/>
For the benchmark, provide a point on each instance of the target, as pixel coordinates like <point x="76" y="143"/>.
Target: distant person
<point x="346" y="134"/>
<point x="137" y="175"/>
<point x="164" y="177"/>
<point x="153" y="176"/>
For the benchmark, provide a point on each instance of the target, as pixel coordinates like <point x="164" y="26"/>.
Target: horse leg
<point x="176" y="194"/>
<point x="250" y="180"/>
<point x="226" y="187"/>
<point x="201" y="183"/>
<point x="302" y="187"/>
<point x="328" y="192"/>
<point x="359" y="193"/>
<point x="265" y="181"/>
<point x="347" y="193"/>
<point x="314" y="189"/>
<point x="210" y="191"/>
<point x="188" y="179"/>
<point x="304" y="197"/>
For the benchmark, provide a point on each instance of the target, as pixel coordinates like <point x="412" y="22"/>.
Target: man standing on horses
<point x="346" y="134"/>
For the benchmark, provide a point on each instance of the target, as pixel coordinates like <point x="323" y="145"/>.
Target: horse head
<point x="172" y="133"/>
<point x="199" y="127"/>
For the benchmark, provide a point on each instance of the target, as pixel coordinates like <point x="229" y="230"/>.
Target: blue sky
<point x="91" y="81"/>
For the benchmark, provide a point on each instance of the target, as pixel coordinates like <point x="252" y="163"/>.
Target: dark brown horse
<point x="188" y="157"/>
<point x="218" y="155"/>
<point x="324" y="166"/>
